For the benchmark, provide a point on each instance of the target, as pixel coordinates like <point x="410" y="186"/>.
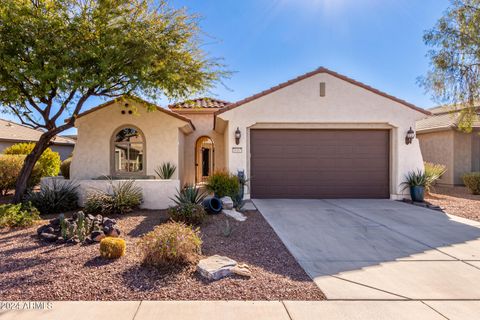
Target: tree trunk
<point x="29" y="164"/>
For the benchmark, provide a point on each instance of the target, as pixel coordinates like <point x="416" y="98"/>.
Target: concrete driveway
<point x="379" y="249"/>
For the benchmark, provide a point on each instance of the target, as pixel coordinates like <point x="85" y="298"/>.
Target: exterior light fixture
<point x="410" y="136"/>
<point x="238" y="135"/>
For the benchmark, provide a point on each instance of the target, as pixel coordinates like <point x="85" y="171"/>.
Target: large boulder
<point x="216" y="267"/>
<point x="227" y="203"/>
<point x="234" y="214"/>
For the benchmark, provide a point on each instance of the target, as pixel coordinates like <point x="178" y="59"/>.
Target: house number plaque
<point x="237" y="149"/>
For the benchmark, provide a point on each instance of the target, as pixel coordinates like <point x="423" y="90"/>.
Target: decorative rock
<point x="55" y="222"/>
<point x="94" y="224"/>
<point x="227" y="203"/>
<point x="42" y="229"/>
<point x="48" y="237"/>
<point x="235" y="215"/>
<point x="242" y="270"/>
<point x="420" y="204"/>
<point x="107" y="222"/>
<point x="97" y="236"/>
<point x="215" y="267"/>
<point x="113" y="232"/>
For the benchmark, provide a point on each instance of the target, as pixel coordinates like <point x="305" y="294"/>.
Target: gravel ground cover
<point x="33" y="270"/>
<point x="457" y="201"/>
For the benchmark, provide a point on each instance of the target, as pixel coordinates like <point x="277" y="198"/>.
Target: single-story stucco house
<point x="12" y="133"/>
<point x="320" y="135"/>
<point x="442" y="142"/>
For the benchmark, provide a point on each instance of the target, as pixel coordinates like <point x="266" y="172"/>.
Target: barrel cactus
<point x="112" y="248"/>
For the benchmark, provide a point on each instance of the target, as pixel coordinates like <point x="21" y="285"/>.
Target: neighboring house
<point x="321" y="135"/>
<point x="441" y="142"/>
<point x="11" y="133"/>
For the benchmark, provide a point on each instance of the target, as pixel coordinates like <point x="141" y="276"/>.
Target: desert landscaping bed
<point x="34" y="270"/>
<point x="457" y="201"/>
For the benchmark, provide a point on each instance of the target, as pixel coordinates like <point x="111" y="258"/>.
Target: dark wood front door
<point x="308" y="164"/>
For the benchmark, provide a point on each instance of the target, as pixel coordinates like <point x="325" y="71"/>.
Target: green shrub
<point x="171" y="243"/>
<point x="123" y="198"/>
<point x="223" y="184"/>
<point x="59" y="196"/>
<point x="10" y="166"/>
<point x="188" y="195"/>
<point x="18" y="215"/>
<point x="166" y="170"/>
<point x="433" y="172"/>
<point x="48" y="164"/>
<point x="188" y="213"/>
<point x="65" y="168"/>
<point x="472" y="181"/>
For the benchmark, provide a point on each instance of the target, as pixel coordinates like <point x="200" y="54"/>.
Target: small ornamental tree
<point x="57" y="54"/>
<point x="454" y="76"/>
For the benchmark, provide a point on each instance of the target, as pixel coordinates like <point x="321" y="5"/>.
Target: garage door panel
<point x="319" y="163"/>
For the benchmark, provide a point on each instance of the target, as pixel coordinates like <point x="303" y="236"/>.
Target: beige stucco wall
<point x="462" y="156"/>
<point x="93" y="151"/>
<point x="203" y="122"/>
<point x="156" y="194"/>
<point x="437" y="147"/>
<point x="344" y="106"/>
<point x="459" y="151"/>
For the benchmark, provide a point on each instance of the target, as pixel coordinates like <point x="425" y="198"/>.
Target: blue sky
<point x="378" y="42"/>
<point x="265" y="42"/>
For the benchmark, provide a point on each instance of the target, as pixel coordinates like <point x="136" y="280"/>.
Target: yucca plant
<point x="189" y="195"/>
<point x="433" y="172"/>
<point x="166" y="170"/>
<point x="126" y="196"/>
<point x="122" y="197"/>
<point x="59" y="196"/>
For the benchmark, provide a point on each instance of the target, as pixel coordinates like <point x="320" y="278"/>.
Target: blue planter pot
<point x="417" y="193"/>
<point x="212" y="205"/>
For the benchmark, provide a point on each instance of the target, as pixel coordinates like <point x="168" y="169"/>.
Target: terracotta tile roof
<point x="12" y="131"/>
<point x="140" y="100"/>
<point x="202" y="103"/>
<point x="443" y="118"/>
<point x="315" y="72"/>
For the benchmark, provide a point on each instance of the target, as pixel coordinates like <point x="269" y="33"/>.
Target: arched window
<point x="128" y="152"/>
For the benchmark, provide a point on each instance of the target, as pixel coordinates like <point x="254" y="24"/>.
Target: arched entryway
<point x="204" y="159"/>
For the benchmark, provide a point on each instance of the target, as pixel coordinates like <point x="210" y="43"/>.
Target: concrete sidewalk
<point x="269" y="310"/>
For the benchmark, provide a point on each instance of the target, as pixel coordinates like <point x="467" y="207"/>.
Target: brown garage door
<point x="326" y="164"/>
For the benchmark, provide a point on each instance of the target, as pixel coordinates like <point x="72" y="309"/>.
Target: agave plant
<point x="166" y="170"/>
<point x="416" y="178"/>
<point x="189" y="195"/>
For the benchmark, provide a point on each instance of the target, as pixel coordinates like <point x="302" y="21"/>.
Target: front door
<point x="204" y="157"/>
<point x="205" y="162"/>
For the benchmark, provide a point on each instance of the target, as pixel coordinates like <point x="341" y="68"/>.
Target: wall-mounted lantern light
<point x="238" y="135"/>
<point x="410" y="136"/>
